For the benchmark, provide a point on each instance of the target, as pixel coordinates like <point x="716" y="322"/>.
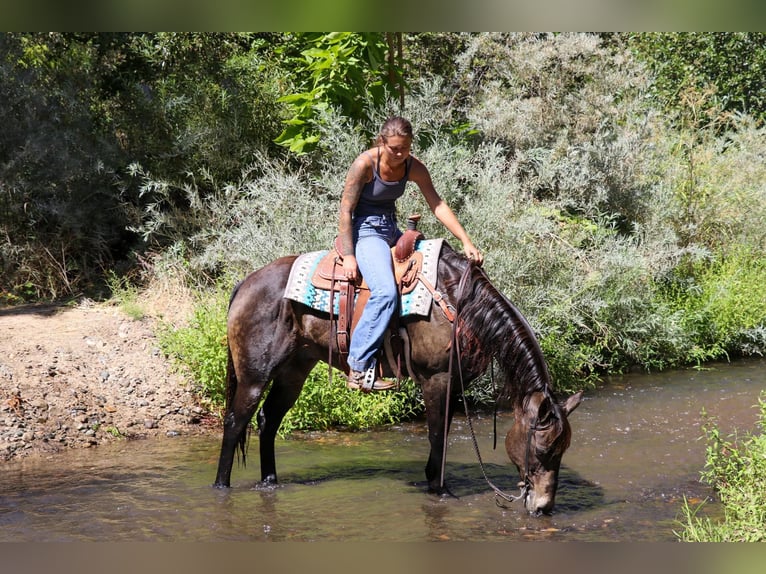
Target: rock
<point x="80" y="371"/>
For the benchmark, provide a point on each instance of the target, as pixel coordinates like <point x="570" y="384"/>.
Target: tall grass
<point x="198" y="348"/>
<point x="736" y="468"/>
<point x="722" y="305"/>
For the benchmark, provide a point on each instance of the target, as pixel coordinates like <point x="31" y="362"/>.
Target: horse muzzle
<point x="539" y="498"/>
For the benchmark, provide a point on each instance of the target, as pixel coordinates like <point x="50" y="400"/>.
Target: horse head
<point x="536" y="443"/>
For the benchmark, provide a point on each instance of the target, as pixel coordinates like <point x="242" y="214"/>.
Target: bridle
<point x="526" y="482"/>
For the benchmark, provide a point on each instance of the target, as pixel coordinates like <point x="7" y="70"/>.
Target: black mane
<point x="491" y="327"/>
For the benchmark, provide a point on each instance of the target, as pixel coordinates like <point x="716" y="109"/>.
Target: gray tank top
<point x="379" y="196"/>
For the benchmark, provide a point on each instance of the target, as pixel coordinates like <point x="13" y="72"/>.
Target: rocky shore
<point x="77" y="377"/>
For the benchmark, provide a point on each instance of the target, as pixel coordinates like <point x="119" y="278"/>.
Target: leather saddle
<point x="352" y="296"/>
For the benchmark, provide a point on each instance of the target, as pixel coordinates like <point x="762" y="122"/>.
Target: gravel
<point x="77" y="377"/>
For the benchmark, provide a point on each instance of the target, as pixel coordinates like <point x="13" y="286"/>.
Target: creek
<point x="636" y="454"/>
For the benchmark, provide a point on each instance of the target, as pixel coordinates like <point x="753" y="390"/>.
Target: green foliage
<point x="723" y="305"/>
<point x="732" y="63"/>
<point x="79" y="108"/>
<point x="231" y="229"/>
<point x="719" y="197"/>
<point x="736" y="469"/>
<point x="199" y="101"/>
<point x="323" y="405"/>
<point x="125" y="294"/>
<point x="572" y="117"/>
<point x="346" y="70"/>
<point x="24" y="293"/>
<point x="61" y="223"/>
<point x="200" y="347"/>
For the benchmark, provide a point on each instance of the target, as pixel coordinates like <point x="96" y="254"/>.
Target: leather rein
<point x="525" y="483"/>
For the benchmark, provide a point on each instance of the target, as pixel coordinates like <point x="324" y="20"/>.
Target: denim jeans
<point x="374" y="235"/>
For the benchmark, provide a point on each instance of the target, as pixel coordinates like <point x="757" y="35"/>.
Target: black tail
<point x="231" y="390"/>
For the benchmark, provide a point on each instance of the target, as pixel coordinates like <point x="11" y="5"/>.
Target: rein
<point x="454" y="359"/>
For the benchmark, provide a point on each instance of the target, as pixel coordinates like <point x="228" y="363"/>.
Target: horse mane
<point x="491" y="327"/>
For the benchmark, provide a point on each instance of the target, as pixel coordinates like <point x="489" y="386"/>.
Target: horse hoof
<point x="442" y="492"/>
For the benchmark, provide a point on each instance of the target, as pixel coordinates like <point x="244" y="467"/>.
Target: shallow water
<point x="636" y="453"/>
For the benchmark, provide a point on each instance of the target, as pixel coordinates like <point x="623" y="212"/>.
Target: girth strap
<point x="342" y="327"/>
<point x="345" y="315"/>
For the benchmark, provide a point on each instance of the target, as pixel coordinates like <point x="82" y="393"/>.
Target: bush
<point x="199" y="348"/>
<point x="61" y="224"/>
<point x="723" y="305"/>
<point x="322" y="405"/>
<point x="736" y="469"/>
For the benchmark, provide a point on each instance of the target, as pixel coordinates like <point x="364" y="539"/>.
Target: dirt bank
<point x="79" y="376"/>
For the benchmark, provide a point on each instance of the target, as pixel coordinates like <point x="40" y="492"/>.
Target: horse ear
<point x="572" y="403"/>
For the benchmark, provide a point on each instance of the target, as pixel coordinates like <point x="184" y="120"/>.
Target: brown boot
<point x="366" y="381"/>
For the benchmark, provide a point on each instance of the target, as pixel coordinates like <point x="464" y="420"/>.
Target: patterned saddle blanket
<point x="418" y="301"/>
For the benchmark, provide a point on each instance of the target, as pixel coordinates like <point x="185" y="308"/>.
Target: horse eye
<point x="546" y="422"/>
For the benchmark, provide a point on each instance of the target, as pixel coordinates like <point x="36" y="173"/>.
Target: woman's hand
<point x="350" y="268"/>
<point x="473" y="254"/>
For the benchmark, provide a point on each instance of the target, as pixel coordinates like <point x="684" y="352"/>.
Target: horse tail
<point x="231" y="385"/>
<point x="231" y="390"/>
<point x="231" y="374"/>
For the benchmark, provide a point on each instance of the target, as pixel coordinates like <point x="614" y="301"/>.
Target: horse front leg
<point x="438" y="412"/>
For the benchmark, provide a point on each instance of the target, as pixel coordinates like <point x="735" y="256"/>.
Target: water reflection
<point x="635" y="455"/>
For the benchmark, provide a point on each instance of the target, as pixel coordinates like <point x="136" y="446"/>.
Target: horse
<point x="275" y="341"/>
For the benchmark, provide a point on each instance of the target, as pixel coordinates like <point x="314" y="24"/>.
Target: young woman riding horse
<point x="368" y="229"/>
<point x="274" y="342"/>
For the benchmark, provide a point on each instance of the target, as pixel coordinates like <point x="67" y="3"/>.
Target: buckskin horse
<point x="272" y="339"/>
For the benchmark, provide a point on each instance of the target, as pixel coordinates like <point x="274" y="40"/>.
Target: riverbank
<point x="84" y="375"/>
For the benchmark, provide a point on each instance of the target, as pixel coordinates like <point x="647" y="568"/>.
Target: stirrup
<point x="367" y="382"/>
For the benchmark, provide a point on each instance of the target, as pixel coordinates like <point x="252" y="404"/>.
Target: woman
<point x="368" y="229"/>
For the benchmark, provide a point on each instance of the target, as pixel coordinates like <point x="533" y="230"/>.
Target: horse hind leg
<point x="242" y="401"/>
<point x="284" y="391"/>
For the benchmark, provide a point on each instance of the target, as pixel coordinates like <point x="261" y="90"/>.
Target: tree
<point x="732" y="63"/>
<point x="347" y="70"/>
<point x="78" y="109"/>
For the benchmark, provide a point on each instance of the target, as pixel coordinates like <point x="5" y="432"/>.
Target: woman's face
<point x="397" y="148"/>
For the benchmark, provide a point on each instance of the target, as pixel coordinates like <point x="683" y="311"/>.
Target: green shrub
<point x="723" y="305"/>
<point x="200" y="347"/>
<point x="322" y="405"/>
<point x="736" y="469"/>
<point x="124" y="294"/>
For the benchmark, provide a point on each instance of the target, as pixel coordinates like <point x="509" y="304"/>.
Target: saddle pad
<point x="417" y="302"/>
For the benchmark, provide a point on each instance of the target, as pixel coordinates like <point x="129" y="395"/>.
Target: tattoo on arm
<point x="352" y="190"/>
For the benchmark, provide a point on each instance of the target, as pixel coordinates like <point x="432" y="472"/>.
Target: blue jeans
<point x="374" y="235"/>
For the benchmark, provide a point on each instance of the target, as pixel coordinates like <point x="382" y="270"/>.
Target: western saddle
<point x="353" y="295"/>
